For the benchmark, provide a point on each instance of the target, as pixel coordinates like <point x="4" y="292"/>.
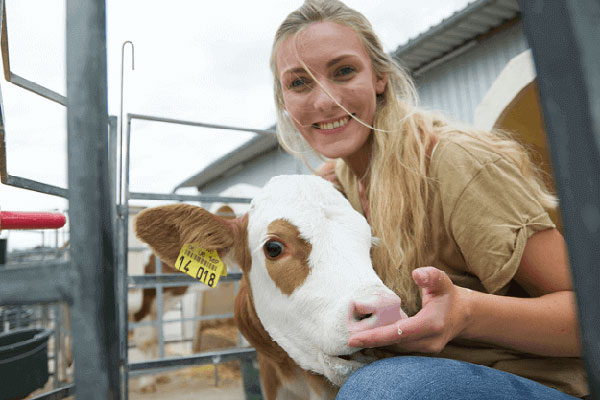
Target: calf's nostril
<point x="359" y="317"/>
<point x="364" y="316"/>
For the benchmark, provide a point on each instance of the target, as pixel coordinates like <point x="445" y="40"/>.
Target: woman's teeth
<point x="332" y="125"/>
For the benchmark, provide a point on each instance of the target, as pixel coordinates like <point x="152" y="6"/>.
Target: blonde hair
<point x="402" y="136"/>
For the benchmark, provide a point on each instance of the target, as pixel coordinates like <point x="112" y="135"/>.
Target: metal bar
<point x="138" y="249"/>
<point x="564" y="37"/>
<point x="120" y="191"/>
<point x="190" y="319"/>
<point x="35" y="283"/>
<point x="182" y="197"/>
<point x="36" y="186"/>
<point x="251" y="380"/>
<point x="213" y="357"/>
<point x="37" y="89"/>
<point x="124" y="245"/>
<point x="5" y="60"/>
<point x="57" y="347"/>
<point x="115" y="159"/>
<point x="3" y="172"/>
<point x="127" y="194"/>
<point x="57" y="394"/>
<point x="16" y="79"/>
<point x="200" y="124"/>
<point x="61" y="362"/>
<point x="159" y="312"/>
<point x="4" y="43"/>
<point x="96" y="346"/>
<point x="123" y="294"/>
<point x="167" y="280"/>
<point x="112" y="157"/>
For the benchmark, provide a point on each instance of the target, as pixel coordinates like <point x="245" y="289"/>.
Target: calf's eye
<point x="273" y="248"/>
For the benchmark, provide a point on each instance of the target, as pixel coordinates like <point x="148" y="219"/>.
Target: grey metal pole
<point x="124" y="251"/>
<point x="94" y="318"/>
<point x="564" y="37"/>
<point x="120" y="191"/>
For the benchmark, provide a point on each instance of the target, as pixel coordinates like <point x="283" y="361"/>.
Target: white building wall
<point x="457" y="86"/>
<point x="258" y="171"/>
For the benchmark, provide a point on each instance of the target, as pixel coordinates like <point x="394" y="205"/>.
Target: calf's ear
<point x="167" y="228"/>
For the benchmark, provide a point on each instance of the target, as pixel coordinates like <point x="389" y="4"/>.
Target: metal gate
<point x="160" y="280"/>
<point x="86" y="280"/>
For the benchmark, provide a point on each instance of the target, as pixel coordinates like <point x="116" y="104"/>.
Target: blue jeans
<point x="427" y="378"/>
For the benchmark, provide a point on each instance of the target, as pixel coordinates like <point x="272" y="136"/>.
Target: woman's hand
<point x="443" y="316"/>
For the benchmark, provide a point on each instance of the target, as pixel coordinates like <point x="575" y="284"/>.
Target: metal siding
<point x="259" y="171"/>
<point x="457" y="86"/>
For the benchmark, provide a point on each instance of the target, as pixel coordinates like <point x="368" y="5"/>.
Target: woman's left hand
<point x="443" y="316"/>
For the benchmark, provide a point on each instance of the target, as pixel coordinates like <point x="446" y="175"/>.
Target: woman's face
<point x="336" y="57"/>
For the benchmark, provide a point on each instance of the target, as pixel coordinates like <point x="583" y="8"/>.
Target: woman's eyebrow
<point x="330" y="63"/>
<point x="297" y="70"/>
<point x="338" y="59"/>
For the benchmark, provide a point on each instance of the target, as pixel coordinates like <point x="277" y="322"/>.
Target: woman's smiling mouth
<point x="332" y="125"/>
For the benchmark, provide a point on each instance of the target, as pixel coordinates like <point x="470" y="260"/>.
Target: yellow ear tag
<point x="204" y="265"/>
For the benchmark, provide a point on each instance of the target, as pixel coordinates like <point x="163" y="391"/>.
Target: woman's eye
<point x="273" y="248"/>
<point x="298" y="84"/>
<point x="345" y="71"/>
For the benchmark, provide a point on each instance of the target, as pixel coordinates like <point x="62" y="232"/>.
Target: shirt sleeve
<point x="492" y="219"/>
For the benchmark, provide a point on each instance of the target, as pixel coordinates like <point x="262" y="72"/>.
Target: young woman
<point x="465" y="237"/>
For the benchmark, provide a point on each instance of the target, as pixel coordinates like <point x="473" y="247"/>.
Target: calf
<point x="308" y="281"/>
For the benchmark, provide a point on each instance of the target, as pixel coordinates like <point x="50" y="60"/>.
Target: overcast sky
<point x="194" y="60"/>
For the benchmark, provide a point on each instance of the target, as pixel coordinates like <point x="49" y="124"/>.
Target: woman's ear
<point x="381" y="83"/>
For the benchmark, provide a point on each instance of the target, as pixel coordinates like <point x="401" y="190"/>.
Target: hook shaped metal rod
<point x="120" y="180"/>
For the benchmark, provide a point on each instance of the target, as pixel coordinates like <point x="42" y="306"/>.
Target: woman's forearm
<point x="545" y="325"/>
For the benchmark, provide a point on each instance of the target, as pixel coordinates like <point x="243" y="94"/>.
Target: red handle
<point x="31" y="220"/>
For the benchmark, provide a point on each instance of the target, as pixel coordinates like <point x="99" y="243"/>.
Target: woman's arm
<point x="544" y="325"/>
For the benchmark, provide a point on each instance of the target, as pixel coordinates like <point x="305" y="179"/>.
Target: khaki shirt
<point x="482" y="214"/>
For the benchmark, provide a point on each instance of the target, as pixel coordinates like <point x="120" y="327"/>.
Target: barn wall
<point x="258" y="171"/>
<point x="457" y="86"/>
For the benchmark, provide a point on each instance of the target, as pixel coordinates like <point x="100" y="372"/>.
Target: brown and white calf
<point x="308" y="280"/>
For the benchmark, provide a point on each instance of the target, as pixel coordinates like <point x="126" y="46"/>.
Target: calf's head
<point x="305" y="255"/>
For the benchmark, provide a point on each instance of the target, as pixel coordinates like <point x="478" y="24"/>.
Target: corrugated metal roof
<point x="478" y="18"/>
<point x="454" y="32"/>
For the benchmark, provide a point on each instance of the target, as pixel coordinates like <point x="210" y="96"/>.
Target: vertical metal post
<point x="115" y="157"/>
<point x="158" y="324"/>
<point x="112" y="157"/>
<point x="123" y="252"/>
<point x="564" y="37"/>
<point x="94" y="317"/>
<point x="57" y="343"/>
<point x="123" y="294"/>
<point x="61" y="351"/>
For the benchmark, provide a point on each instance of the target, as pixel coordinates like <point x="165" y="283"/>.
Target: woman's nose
<point x="325" y="98"/>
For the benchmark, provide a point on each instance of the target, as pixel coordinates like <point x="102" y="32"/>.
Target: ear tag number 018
<point x="204" y="265"/>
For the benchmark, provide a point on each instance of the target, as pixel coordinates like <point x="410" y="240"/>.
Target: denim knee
<point x="432" y="378"/>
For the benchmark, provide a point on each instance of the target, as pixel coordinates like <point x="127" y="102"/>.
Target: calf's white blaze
<point x="311" y="323"/>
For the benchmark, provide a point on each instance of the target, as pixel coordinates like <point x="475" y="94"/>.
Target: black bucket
<point x="23" y="362"/>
